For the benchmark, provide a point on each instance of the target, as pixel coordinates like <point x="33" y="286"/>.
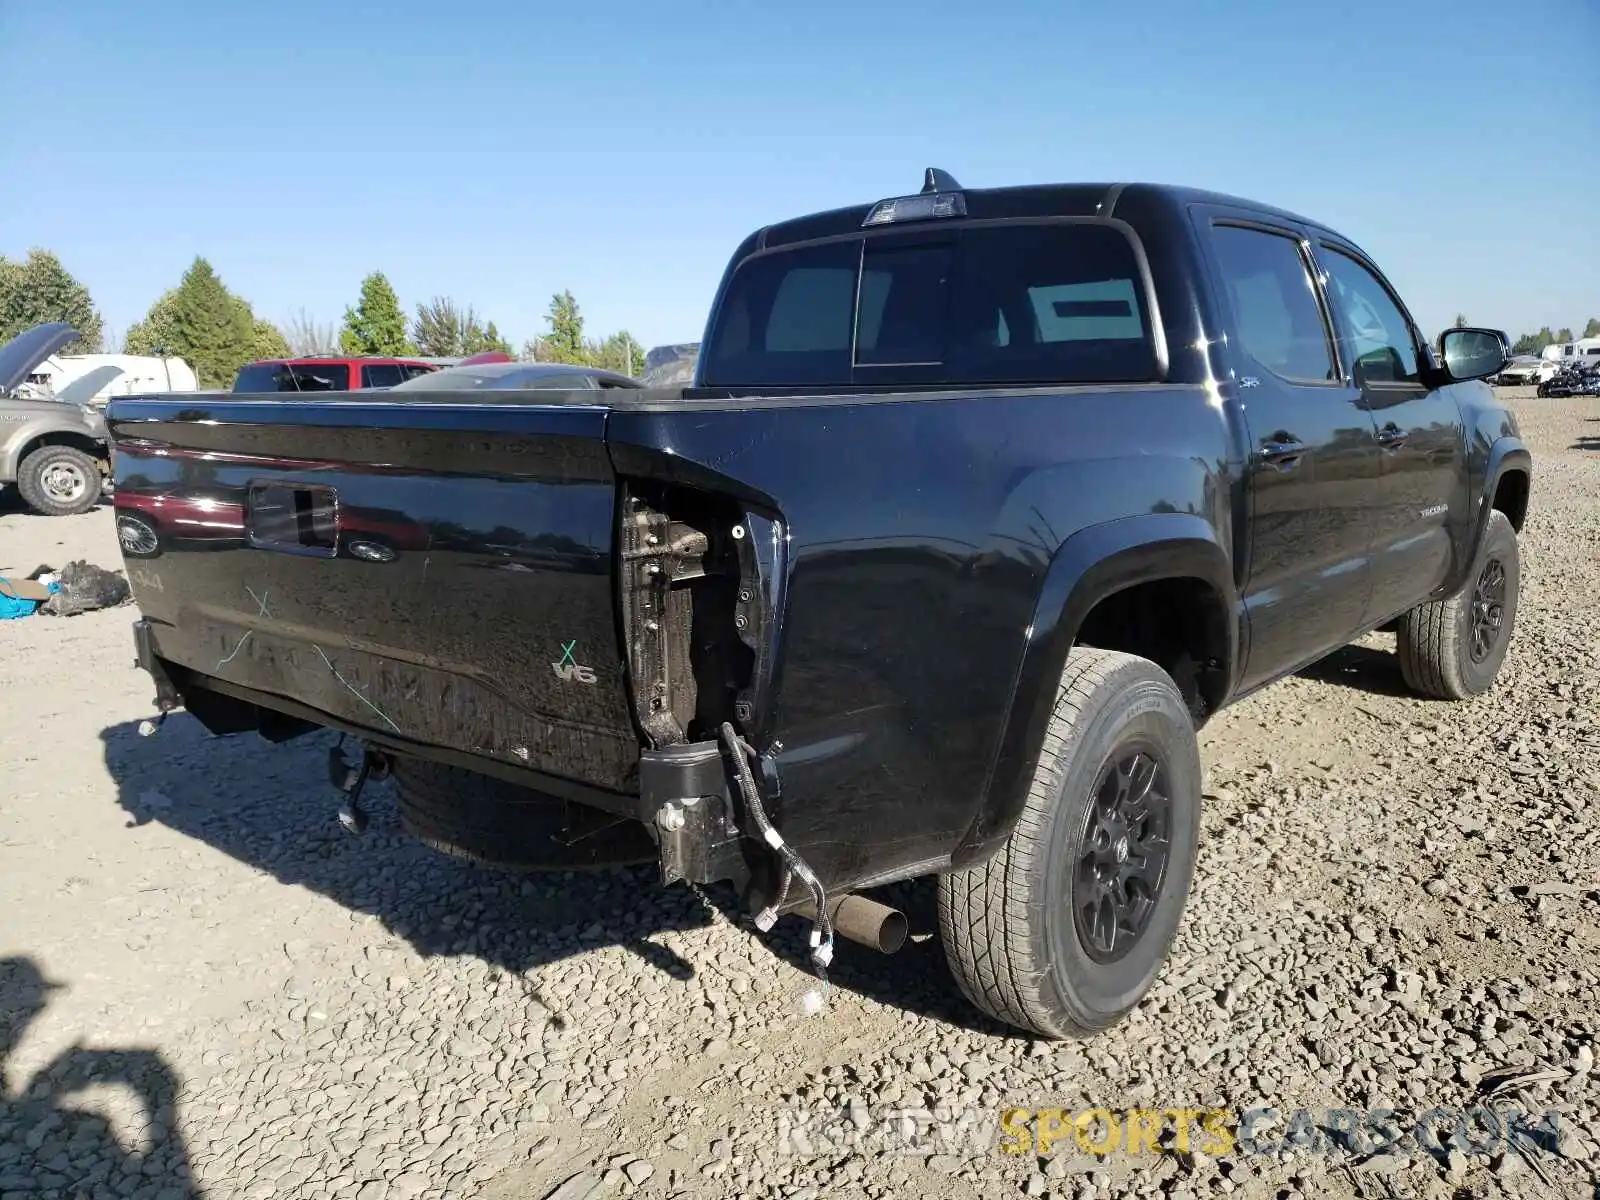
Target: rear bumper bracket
<point x="168" y="697"/>
<point x="683" y="796"/>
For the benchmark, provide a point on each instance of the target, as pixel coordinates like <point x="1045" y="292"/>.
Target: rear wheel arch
<point x="1103" y="587"/>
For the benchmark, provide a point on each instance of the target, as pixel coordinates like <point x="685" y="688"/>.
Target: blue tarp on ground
<point x="12" y="605"/>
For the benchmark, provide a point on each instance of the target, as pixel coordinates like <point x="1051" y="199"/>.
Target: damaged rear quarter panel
<point x="920" y="530"/>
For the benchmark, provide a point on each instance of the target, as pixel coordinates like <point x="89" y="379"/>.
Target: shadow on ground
<point x="1363" y="669"/>
<point x="12" y="504"/>
<point x="272" y="808"/>
<point x="48" y="1147"/>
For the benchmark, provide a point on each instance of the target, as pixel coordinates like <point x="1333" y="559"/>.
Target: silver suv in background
<point x="53" y="445"/>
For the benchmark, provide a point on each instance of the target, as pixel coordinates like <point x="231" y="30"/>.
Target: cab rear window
<point x="1059" y="302"/>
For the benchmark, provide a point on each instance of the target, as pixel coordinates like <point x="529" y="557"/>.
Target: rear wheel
<point x="1064" y="930"/>
<point x="59" y="481"/>
<point x="497" y="824"/>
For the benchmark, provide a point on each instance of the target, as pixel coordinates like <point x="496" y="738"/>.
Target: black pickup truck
<point x="982" y="502"/>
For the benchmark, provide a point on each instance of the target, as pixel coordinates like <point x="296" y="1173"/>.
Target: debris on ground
<point x="83" y="587"/>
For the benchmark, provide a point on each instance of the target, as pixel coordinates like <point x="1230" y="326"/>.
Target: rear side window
<point x="1274" y="303"/>
<point x="1042" y="303"/>
<point x="299" y="377"/>
<point x="381" y="375"/>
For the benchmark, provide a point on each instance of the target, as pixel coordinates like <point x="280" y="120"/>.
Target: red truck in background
<point x="332" y="373"/>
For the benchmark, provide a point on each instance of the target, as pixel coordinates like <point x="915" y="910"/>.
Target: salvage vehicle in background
<point x="53" y="444"/>
<point x="1525" y="370"/>
<point x="515" y="375"/>
<point x="328" y="373"/>
<point x="671" y="366"/>
<point x="982" y="503"/>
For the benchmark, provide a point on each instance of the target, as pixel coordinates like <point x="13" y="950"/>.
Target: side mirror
<point x="1473" y="353"/>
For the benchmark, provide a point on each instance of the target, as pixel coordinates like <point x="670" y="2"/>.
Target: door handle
<point x="1283" y="455"/>
<point x="1392" y="437"/>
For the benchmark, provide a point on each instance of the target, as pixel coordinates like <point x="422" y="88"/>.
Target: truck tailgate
<point x="438" y="572"/>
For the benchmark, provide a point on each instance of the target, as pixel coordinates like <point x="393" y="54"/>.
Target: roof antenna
<point x="935" y="180"/>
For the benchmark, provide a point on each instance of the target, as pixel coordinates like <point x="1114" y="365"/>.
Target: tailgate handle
<point x="293" y="518"/>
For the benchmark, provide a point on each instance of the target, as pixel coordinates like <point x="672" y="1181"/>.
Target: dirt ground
<point x="207" y="988"/>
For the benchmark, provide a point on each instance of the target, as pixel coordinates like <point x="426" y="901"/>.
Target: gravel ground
<point x="1398" y="906"/>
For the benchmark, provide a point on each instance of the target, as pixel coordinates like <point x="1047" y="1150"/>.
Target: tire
<point x="497" y="824"/>
<point x="1013" y="940"/>
<point x="1442" y="655"/>
<point x="46" y="477"/>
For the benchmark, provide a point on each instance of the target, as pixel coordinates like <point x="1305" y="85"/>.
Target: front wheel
<point x="59" y="481"/>
<point x="1065" y="928"/>
<point x="1452" y="649"/>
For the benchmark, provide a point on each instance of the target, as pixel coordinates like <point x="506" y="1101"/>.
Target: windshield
<point x="295" y="377"/>
<point x="1059" y="302"/>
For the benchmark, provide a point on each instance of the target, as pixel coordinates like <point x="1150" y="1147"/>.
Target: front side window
<point x="1041" y="303"/>
<point x="1383" y="349"/>
<point x="1274" y="303"/>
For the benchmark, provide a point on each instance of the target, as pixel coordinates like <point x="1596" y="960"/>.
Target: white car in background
<point x="1526" y="370"/>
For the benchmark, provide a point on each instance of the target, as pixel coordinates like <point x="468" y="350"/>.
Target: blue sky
<point x="499" y="151"/>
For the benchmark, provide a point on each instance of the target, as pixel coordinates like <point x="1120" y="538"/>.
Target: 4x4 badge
<point x="568" y="668"/>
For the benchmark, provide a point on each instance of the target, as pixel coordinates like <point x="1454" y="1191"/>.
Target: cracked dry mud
<point x="1397" y="906"/>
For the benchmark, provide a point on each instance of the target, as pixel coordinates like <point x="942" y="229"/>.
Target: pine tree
<point x="212" y="329"/>
<point x="564" y="343"/>
<point x="376" y="325"/>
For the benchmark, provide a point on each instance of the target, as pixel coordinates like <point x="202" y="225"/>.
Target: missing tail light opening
<point x="692" y="612"/>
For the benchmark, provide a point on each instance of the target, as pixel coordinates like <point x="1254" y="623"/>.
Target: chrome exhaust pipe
<point x="863" y="921"/>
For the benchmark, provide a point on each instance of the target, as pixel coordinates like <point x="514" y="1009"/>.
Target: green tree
<point x="1564" y="336"/>
<point x="444" y="330"/>
<point x="475" y="340"/>
<point x="1592" y="329"/>
<point x="564" y="343"/>
<point x="1461" y="320"/>
<point x="376" y="325"/>
<point x="159" y="332"/>
<point x="438" y="328"/>
<point x="266" y="339"/>
<point x="38" y="290"/>
<point x="212" y="329"/>
<point x="154" y="334"/>
<point x="620" y="352"/>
